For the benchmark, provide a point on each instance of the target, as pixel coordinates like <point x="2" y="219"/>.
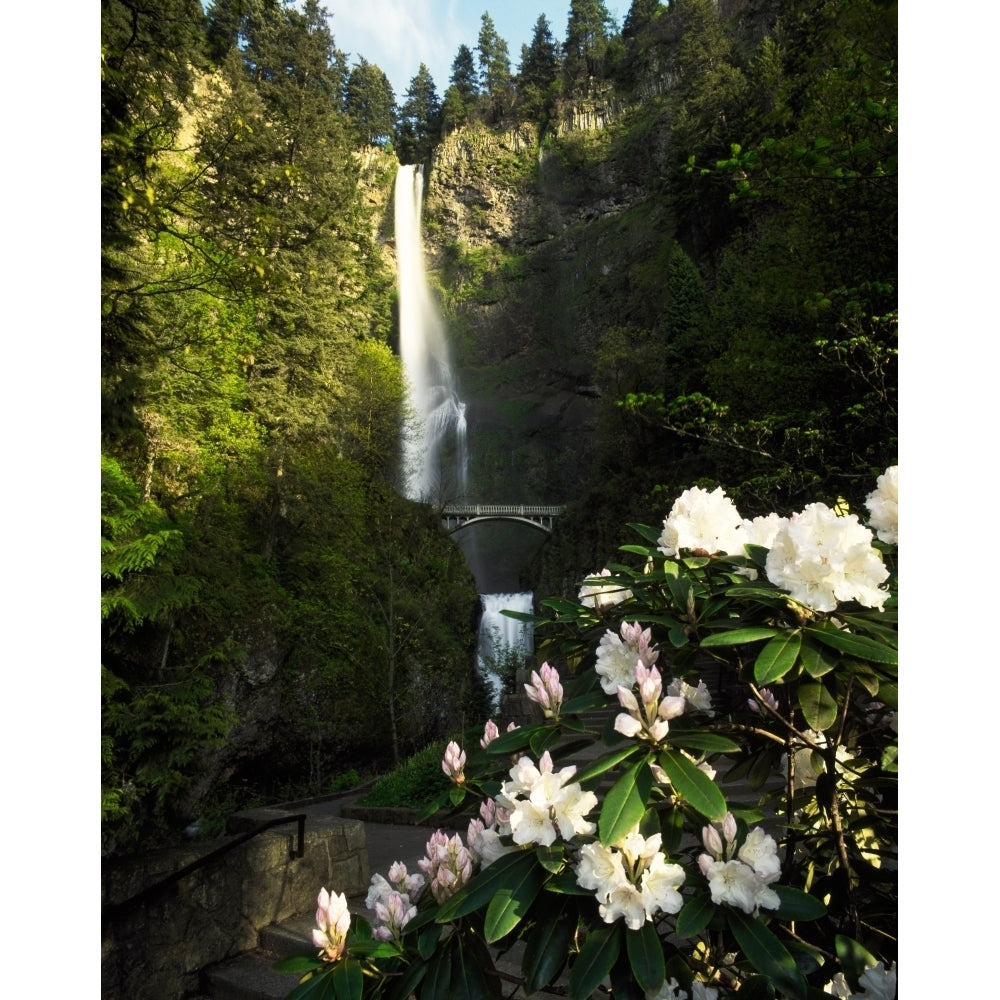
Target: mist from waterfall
<point x="503" y="642"/>
<point x="423" y="347"/>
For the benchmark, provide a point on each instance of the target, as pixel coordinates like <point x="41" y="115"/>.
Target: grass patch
<point x="411" y="785"/>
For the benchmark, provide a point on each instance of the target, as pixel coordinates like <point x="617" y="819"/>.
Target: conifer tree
<point x="587" y="35"/>
<point x="460" y="97"/>
<point x="539" y="69"/>
<point x="371" y="104"/>
<point x="419" y="118"/>
<point x="494" y="68"/>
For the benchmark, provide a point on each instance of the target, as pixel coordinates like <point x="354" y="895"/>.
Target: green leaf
<point x="798" y="905"/>
<point x="547" y="948"/>
<point x="598" y="954"/>
<point x="756" y="988"/>
<point x="319" y="987"/>
<point x="778" y="657"/>
<point x="695" y="916"/>
<point x="817" y="704"/>
<point x="348" y="980"/>
<point x="544" y="739"/>
<point x="737" y="636"/>
<point x="696" y="787"/>
<point x="854" y="958"/>
<point x="766" y="953"/>
<point x="817" y="660"/>
<point x="483" y="887"/>
<point x="648" y="532"/>
<point x="456" y="793"/>
<point x="706" y="742"/>
<point x="582" y="703"/>
<point x="625" y="803"/>
<point x="645" y="955"/>
<point x="469" y="977"/>
<point x="551" y="858"/>
<point x="437" y="982"/>
<point x="858" y="646"/>
<point x="511" y="902"/>
<point x="517" y="739"/>
<point x="298" y="963"/>
<point x="608" y="761"/>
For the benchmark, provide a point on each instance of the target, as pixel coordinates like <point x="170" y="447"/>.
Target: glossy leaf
<point x="348" y="980"/>
<point x="319" y="987"/>
<point x="816" y="658"/>
<point x="298" y="963"/>
<point x="437" y="982"/>
<point x="818" y="706"/>
<point x="695" y="916"/>
<point x="738" y="636"/>
<point x="854" y="958"/>
<point x="778" y="657"/>
<point x="547" y="949"/>
<point x="798" y="905"/>
<point x="608" y="761"/>
<point x="697" y="788"/>
<point x="598" y="954"/>
<point x="508" y="743"/>
<point x="471" y="977"/>
<point x="625" y="803"/>
<point x="645" y="955"/>
<point x="859" y="646"/>
<point x="766" y="953"/>
<point x="650" y="533"/>
<point x="705" y="742"/>
<point x="511" y="902"/>
<point x="478" y="892"/>
<point x="756" y="988"/>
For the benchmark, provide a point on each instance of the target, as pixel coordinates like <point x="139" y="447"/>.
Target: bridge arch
<point x="457" y="516"/>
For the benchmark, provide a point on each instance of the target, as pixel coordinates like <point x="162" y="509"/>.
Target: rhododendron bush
<point x="706" y="807"/>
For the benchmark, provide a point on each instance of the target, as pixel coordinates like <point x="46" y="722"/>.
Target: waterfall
<point x="504" y="642"/>
<point x="435" y="454"/>
<point x="433" y="397"/>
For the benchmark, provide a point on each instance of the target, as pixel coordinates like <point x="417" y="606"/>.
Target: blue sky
<point x="399" y="35"/>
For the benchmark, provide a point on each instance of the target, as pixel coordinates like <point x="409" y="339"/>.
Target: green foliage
<point x="411" y="783"/>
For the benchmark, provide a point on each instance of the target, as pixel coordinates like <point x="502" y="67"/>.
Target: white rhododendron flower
<point x="883" y="504"/>
<point x="876" y="982"/>
<point x="698" y="698"/>
<point x="742" y="881"/>
<point x="821" y="558"/>
<point x="543" y="804"/>
<point x="448" y="865"/>
<point x="453" y="764"/>
<point x="333" y="920"/>
<point x="617" y="657"/>
<point x="704" y="522"/>
<point x="647" y="717"/>
<point x="546" y="690"/>
<point x="601" y="596"/>
<point x="632" y="879"/>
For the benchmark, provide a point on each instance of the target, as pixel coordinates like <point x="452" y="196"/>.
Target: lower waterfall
<point x="505" y="644"/>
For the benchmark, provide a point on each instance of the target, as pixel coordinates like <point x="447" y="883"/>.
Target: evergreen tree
<point x="371" y="104"/>
<point x="641" y="14"/>
<point x="419" y="119"/>
<point x="494" y="68"/>
<point x="460" y="97"/>
<point x="588" y="32"/>
<point x="539" y="70"/>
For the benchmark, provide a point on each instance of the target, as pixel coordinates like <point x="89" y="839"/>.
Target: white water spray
<point x="503" y="641"/>
<point x="426" y="361"/>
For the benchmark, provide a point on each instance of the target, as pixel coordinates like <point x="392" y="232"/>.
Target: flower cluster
<point x="877" y="982"/>
<point x="632" y="878"/>
<point x="453" y="764"/>
<point x="601" y="596"/>
<point x="546" y="690"/>
<point x="648" y="715"/>
<point x="543" y="804"/>
<point x="333" y="921"/>
<point x="705" y="523"/>
<point x="448" y="865"/>
<point x="883" y="505"/>
<point x="671" y="990"/>
<point x="743" y="880"/>
<point x="484" y="833"/>
<point x="393" y="901"/>
<point x="490" y="732"/>
<point x="821" y="558"/>
<point x="697" y="699"/>
<point x="617" y="657"/>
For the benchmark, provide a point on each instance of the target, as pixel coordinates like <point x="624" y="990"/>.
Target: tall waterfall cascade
<point x="436" y="452"/>
<point x="433" y="396"/>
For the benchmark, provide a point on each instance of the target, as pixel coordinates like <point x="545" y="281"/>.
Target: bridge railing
<point x="500" y="510"/>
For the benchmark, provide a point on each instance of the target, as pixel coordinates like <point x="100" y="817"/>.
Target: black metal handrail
<point x="114" y="910"/>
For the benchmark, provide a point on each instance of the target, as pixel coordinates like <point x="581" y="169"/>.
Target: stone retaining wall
<point x="158" y="949"/>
